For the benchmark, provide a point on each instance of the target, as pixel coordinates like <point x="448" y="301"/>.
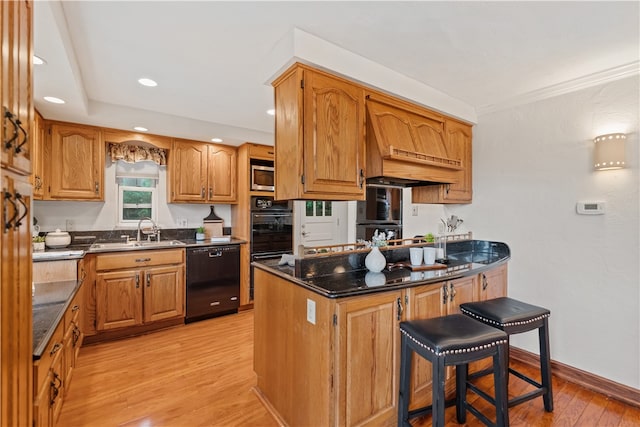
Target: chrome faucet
<point x="156" y="230"/>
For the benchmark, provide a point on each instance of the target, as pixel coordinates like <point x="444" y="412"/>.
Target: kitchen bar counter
<point x="330" y="276"/>
<point x="50" y="301"/>
<point x="327" y="332"/>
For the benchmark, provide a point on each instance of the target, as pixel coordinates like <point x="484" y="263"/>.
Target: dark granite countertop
<point x="344" y="276"/>
<point x="50" y="301"/>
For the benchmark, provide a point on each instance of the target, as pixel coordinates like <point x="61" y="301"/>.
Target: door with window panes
<point x="320" y="223"/>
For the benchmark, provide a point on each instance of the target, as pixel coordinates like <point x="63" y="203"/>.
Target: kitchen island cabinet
<point x="331" y="357"/>
<point x="320" y="145"/>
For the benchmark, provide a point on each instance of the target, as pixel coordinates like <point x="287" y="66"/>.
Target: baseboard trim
<point x="621" y="392"/>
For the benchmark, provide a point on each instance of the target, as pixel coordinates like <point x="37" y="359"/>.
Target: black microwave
<point x="262" y="178"/>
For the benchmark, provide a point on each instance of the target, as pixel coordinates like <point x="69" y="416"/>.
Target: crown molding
<point x="601" y="77"/>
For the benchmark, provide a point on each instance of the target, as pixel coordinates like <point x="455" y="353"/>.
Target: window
<point x="318" y="208"/>
<point x="137" y="192"/>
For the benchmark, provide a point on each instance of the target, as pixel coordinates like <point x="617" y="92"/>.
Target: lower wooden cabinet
<point x="138" y="288"/>
<point x="53" y="372"/>
<point x="349" y="348"/>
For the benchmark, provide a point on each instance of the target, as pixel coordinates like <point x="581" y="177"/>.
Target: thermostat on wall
<point x="590" y="208"/>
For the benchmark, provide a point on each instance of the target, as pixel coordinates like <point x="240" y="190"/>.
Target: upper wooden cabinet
<point x="320" y="124"/>
<point x="16" y="85"/>
<point x="458" y="145"/>
<point x="202" y="173"/>
<point x="74" y="163"/>
<point x="38" y="139"/>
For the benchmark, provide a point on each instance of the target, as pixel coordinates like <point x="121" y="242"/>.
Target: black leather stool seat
<point x="446" y="341"/>
<point x="514" y="317"/>
<point x="452" y="334"/>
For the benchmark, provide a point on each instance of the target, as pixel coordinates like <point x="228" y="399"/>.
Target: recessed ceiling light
<point x="140" y="128"/>
<point x="147" y="82"/>
<point x="271" y="112"/>
<point x="53" y="100"/>
<point x="38" y="61"/>
<point x="216" y="140"/>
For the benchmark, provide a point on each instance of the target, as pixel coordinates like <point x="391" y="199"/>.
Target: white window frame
<point x="154" y="203"/>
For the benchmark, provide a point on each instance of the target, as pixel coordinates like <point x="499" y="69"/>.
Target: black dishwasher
<point x="213" y="281"/>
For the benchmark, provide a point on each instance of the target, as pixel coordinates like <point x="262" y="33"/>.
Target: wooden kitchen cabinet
<point x="138" y="288"/>
<point x="458" y="146"/>
<point x="53" y="372"/>
<point x="241" y="212"/>
<point x="74" y="163"/>
<point x="37" y="161"/>
<point x="16" y="330"/>
<point x="493" y="283"/>
<point x="202" y="173"/>
<point x="367" y="359"/>
<point x="320" y="147"/>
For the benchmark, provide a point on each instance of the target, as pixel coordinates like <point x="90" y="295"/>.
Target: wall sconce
<point x="609" y="151"/>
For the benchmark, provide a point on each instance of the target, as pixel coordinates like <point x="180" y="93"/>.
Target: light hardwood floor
<point x="201" y="374"/>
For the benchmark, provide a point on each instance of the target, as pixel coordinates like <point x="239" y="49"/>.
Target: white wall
<point x="531" y="165"/>
<point x="103" y="215"/>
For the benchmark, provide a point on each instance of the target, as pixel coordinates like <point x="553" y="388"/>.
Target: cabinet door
<point x="333" y="116"/>
<point x="424" y="302"/>
<point x="15" y="299"/>
<point x="57" y="385"/>
<point x="222" y="176"/>
<point x="41" y="405"/>
<point x="163" y="293"/>
<point x="458" y="146"/>
<point x="37" y="177"/>
<point x="189" y="172"/>
<point x="493" y="283"/>
<point x="118" y="299"/>
<point x="16" y="92"/>
<point x="460" y="291"/>
<point x="368" y="353"/>
<point x="76" y="169"/>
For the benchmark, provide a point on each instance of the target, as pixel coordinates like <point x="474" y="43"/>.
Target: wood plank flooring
<point x="201" y="374"/>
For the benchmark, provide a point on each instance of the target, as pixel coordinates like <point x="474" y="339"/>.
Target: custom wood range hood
<point x="408" y="146"/>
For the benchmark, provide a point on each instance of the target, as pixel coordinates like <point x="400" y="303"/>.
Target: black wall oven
<point x="271" y="230"/>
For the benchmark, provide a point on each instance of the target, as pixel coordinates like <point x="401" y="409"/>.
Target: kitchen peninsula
<point x="327" y="344"/>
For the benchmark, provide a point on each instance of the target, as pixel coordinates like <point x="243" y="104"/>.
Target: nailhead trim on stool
<point x="453" y="340"/>
<point x="514" y="317"/>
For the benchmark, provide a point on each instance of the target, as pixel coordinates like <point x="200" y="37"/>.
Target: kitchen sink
<point x="115" y="246"/>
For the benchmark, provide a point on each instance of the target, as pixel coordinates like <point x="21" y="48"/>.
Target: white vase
<point x="375" y="261"/>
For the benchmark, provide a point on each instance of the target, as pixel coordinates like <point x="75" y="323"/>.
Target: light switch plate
<point x="311" y="311"/>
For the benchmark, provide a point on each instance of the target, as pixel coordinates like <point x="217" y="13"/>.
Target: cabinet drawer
<point x="135" y="259"/>
<point x="261" y="151"/>
<point x="41" y="367"/>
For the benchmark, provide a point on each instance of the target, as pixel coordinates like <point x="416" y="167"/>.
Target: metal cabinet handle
<point x="137" y="280"/>
<point x="8" y="115"/>
<point x="57" y="346"/>
<point x="148" y="279"/>
<point x="452" y="293"/>
<point x="400" y="308"/>
<point x="18" y="149"/>
<point x="445" y="293"/>
<point x="9" y="223"/>
<point x="97" y="187"/>
<point x="361" y="177"/>
<point x="75" y="308"/>
<point x="485" y="282"/>
<point x="55" y="386"/>
<point x="143" y="259"/>
<point x="20" y="199"/>
<point x="76" y="335"/>
<point x="37" y="182"/>
<point x="211" y="192"/>
<point x="202" y="192"/>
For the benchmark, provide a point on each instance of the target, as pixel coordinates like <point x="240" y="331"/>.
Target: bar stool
<point x="446" y="341"/>
<point x="514" y="317"/>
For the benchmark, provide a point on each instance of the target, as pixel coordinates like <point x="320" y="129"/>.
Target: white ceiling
<point x="210" y="58"/>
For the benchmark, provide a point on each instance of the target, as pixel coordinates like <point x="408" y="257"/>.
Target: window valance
<point x="137" y="153"/>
